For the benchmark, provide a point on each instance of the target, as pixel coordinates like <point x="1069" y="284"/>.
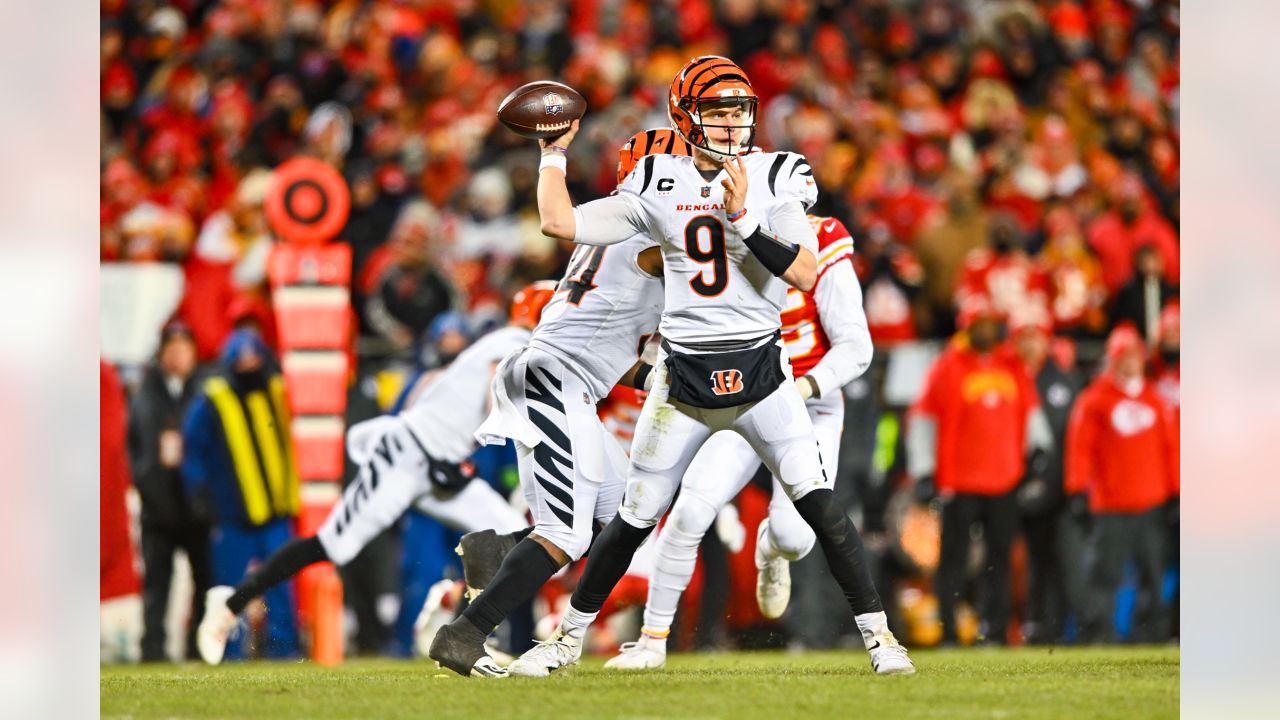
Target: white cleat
<point x="773" y="580"/>
<point x="643" y="654"/>
<point x="487" y="667"/>
<point x="556" y="652"/>
<point x="217" y="624"/>
<point x="888" y="657"/>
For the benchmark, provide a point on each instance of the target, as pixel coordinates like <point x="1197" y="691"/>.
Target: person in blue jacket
<point x="240" y="474"/>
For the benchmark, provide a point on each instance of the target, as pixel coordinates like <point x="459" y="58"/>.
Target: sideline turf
<point x="988" y="683"/>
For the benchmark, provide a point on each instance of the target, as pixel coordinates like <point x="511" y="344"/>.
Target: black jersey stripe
<point x="773" y="172"/>
<point x="648" y="174"/>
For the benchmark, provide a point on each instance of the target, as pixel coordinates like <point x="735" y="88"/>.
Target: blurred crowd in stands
<point x="1019" y="158"/>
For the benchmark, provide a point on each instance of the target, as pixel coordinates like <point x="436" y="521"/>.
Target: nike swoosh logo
<point x="828" y="227"/>
<point x="875" y="647"/>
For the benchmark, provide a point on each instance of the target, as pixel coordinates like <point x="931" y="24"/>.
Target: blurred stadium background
<point x="1024" y="152"/>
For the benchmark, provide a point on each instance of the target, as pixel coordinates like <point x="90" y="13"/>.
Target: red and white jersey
<point x="1009" y="281"/>
<point x="829" y="316"/>
<point x="601" y="313"/>
<point x="716" y="289"/>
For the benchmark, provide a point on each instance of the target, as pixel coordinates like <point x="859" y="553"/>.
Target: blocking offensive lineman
<point x="829" y="345"/>
<point x="734" y="235"/>
<point x="414" y="458"/>
<point x="572" y="469"/>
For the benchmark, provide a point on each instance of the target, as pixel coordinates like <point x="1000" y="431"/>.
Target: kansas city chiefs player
<point x="827" y="338"/>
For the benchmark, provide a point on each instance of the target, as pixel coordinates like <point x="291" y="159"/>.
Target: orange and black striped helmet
<point x="658" y="141"/>
<point x="708" y="82"/>
<point x="527" y="305"/>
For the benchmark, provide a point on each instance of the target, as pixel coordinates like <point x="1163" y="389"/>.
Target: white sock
<point x="872" y="626"/>
<point x="655" y="639"/>
<point x="765" y="551"/>
<point x="677" y="557"/>
<point x="574" y="623"/>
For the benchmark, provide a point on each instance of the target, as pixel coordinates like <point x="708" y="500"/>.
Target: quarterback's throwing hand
<point x="561" y="141"/>
<point x="735" y="186"/>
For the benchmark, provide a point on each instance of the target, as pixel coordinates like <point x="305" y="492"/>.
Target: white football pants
<point x="392" y="478"/>
<point x="720" y="470"/>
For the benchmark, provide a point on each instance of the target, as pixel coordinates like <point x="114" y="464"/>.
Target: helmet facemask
<point x="701" y="129"/>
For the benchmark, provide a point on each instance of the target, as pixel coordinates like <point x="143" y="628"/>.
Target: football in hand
<point x="541" y="110"/>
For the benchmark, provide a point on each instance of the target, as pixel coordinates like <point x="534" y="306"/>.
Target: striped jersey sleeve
<point x="834" y="242"/>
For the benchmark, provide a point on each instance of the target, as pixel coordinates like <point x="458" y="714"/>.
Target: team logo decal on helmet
<point x="706" y="83"/>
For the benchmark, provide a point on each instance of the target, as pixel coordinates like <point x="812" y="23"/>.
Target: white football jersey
<point x="446" y="414"/>
<point x="716" y="289"/>
<point x="603" y="309"/>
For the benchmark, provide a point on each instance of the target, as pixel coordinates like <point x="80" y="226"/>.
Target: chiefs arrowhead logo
<point x="726" y="382"/>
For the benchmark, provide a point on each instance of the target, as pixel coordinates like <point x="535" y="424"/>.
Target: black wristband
<point x="775" y="256"/>
<point x="641" y="375"/>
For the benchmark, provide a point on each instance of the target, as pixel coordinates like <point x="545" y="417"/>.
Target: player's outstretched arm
<point x="555" y="208"/>
<point x="600" y="222"/>
<point x="792" y="261"/>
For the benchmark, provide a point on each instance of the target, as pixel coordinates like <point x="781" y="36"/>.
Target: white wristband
<point x="746" y="225"/>
<point x="554" y="160"/>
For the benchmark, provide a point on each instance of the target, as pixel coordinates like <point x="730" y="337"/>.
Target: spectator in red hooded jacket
<point x="1003" y="273"/>
<point x="1117" y="234"/>
<point x="1122" y="456"/>
<point x="968" y="437"/>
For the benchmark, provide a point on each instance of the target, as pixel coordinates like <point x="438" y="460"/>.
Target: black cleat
<point x="482" y="553"/>
<point x="461" y="652"/>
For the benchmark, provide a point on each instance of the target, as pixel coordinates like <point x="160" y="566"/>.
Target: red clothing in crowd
<point x="117" y="574"/>
<point x="1168" y="385"/>
<point x="1121" y="448"/>
<point x="981" y="402"/>
<point x="890" y="315"/>
<point x="1009" y="282"/>
<point x="1116" y="243"/>
<point x="205" y="302"/>
<point x="907" y="210"/>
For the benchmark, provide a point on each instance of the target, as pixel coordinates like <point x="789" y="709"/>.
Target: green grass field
<point x="981" y="683"/>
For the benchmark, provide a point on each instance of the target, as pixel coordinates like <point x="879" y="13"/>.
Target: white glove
<point x="806" y="386"/>
<point x="730" y="530"/>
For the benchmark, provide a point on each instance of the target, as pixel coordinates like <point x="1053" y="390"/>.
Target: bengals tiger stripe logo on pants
<point x="726" y="382"/>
